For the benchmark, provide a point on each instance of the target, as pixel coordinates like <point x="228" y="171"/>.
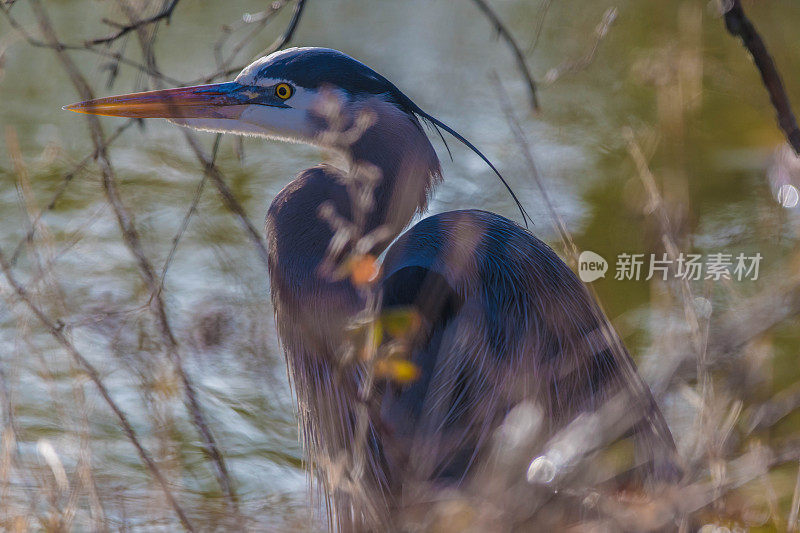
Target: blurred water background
<point x="666" y="73"/>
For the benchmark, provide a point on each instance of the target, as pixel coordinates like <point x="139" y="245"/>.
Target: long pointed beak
<point x="220" y="100"/>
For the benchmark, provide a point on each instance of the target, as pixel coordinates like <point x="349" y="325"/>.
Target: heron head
<point x="282" y="95"/>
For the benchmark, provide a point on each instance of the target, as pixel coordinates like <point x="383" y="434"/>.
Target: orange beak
<point x="221" y="100"/>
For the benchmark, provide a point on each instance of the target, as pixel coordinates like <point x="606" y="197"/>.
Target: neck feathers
<point x="404" y="163"/>
<point x="392" y="171"/>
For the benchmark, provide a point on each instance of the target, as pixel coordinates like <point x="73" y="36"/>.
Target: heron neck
<point x="395" y="162"/>
<point x="313" y="310"/>
<point x="404" y="168"/>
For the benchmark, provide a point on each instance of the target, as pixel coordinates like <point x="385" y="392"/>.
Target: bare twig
<point x="284" y="39"/>
<point x="58" y="333"/>
<point x="756" y="316"/>
<point x="260" y="21"/>
<point x="164" y="14"/>
<point x="133" y="242"/>
<point x="211" y="448"/>
<point x="584" y="61"/>
<point x="61" y="46"/>
<point x="288" y="33"/>
<point x="66" y="180"/>
<point x="775" y="409"/>
<point x="228" y="198"/>
<point x="543" y="11"/>
<point x="570" y="250"/>
<point x="740" y="26"/>
<point x="192" y="209"/>
<point x="504" y="32"/>
<point x="656" y="205"/>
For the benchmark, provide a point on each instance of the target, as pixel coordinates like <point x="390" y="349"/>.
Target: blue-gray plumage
<point x="502" y="320"/>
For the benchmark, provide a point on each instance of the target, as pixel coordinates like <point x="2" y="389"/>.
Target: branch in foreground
<point x="193" y="406"/>
<point x="66" y="180"/>
<point x="740" y="26"/>
<point x="58" y="333"/>
<point x="228" y="198"/>
<point x="132" y="241"/>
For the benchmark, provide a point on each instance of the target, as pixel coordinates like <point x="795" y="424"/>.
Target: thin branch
<point x="656" y="205"/>
<point x="164" y="14"/>
<point x="570" y="249"/>
<point x="773" y="410"/>
<point x="288" y="33"/>
<point x="760" y="313"/>
<point x="228" y="198"/>
<point x="503" y="31"/>
<point x="540" y="25"/>
<point x="600" y="31"/>
<point x="66" y="180"/>
<point x="211" y="448"/>
<point x="260" y="21"/>
<point x="192" y="209"/>
<point x="279" y="43"/>
<point x="58" y="333"/>
<point x="60" y="46"/>
<point x="133" y="242"/>
<point x="738" y="25"/>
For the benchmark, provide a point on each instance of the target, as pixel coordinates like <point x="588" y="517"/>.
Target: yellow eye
<point x="283" y="91"/>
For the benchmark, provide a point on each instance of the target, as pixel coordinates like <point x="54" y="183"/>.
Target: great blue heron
<point x="498" y="318"/>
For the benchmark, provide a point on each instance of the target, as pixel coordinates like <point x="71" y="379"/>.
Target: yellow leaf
<point x="397" y="370"/>
<point x="402" y="322"/>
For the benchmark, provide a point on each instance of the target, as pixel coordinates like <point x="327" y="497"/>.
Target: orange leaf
<point x="364" y="269"/>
